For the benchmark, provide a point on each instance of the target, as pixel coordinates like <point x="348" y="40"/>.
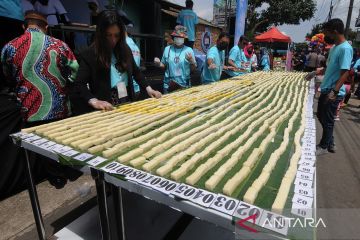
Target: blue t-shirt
<point x="265" y="63"/>
<point x="213" y="75"/>
<point x="340" y="57"/>
<point x="189" y="19"/>
<point x="115" y="75"/>
<point x="11" y="9"/>
<point x="177" y="67"/>
<point x="137" y="57"/>
<point x="237" y="55"/>
<point x="357" y="65"/>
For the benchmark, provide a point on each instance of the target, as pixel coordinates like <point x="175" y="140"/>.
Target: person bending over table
<point x="107" y="68"/>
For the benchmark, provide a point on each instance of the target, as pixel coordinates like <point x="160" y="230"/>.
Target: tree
<point x="277" y="12"/>
<point x="317" y="28"/>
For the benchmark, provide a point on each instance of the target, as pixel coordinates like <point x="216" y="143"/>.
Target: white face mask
<point x="178" y="41"/>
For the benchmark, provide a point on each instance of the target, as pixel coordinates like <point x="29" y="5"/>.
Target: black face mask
<point x="329" y="40"/>
<point x="222" y="46"/>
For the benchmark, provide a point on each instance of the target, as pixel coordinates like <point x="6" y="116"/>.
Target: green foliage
<point x="317" y="28"/>
<point x="277" y="12"/>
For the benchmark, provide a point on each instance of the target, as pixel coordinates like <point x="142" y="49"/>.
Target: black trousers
<point x="12" y="170"/>
<point x="9" y="29"/>
<point x="326" y="113"/>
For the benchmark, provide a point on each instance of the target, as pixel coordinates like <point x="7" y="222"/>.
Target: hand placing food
<point x="212" y="66"/>
<point x="153" y="93"/>
<point x="100" y="105"/>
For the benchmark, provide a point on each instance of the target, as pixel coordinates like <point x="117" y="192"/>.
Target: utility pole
<point x="331" y="9"/>
<point x="226" y="15"/>
<point x="348" y="20"/>
<point x="229" y="17"/>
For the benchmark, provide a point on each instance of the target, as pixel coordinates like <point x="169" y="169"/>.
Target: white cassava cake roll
<point x="234" y="182"/>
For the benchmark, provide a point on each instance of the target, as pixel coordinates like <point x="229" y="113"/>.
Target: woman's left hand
<point x="153" y="93"/>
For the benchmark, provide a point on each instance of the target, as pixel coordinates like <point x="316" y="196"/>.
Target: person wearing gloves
<point x="107" y="69"/>
<point x="178" y="61"/>
<point x="237" y="57"/>
<point x="215" y="59"/>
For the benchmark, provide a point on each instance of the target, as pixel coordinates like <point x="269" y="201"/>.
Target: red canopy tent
<point x="273" y="35"/>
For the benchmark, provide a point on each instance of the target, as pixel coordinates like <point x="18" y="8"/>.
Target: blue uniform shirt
<point x="265" y="62"/>
<point x="115" y="75"/>
<point x="137" y="57"/>
<point x="213" y="75"/>
<point x="189" y="19"/>
<point x="340" y="57"/>
<point x="177" y="70"/>
<point x="237" y="55"/>
<point x="11" y="9"/>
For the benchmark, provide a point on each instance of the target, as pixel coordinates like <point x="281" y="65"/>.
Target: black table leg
<point x="179" y="227"/>
<point x="102" y="203"/>
<point x="34" y="199"/>
<point x="119" y="212"/>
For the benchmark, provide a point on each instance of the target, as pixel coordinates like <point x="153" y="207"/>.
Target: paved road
<point x="338" y="178"/>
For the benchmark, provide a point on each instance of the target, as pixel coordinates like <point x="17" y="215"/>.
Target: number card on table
<point x="225" y="204"/>
<point x="246" y="210"/>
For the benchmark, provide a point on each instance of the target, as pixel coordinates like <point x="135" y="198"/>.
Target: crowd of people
<point x="42" y="80"/>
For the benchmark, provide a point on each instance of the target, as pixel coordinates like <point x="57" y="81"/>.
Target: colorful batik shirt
<point x="41" y="67"/>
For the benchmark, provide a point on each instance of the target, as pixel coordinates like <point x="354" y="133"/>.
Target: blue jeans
<point x="326" y="113"/>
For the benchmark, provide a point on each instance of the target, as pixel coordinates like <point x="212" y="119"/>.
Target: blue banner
<point x="241" y="11"/>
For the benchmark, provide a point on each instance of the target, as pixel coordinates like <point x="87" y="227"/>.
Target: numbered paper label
<point x="62" y="149"/>
<point x="308" y="158"/>
<point x="203" y="198"/>
<point x="306" y="169"/>
<point x="303" y="200"/>
<point x="40" y="141"/>
<point x="301" y="211"/>
<point x="225" y="204"/>
<point x="306" y="163"/>
<point x="70" y="153"/>
<point x="184" y="191"/>
<point x="245" y="210"/>
<point x="83" y="157"/>
<point x="96" y="161"/>
<point x="55" y="147"/>
<point x="166" y="186"/>
<point x="109" y="167"/>
<point x="304" y="191"/>
<point x="305" y="176"/>
<point x="31" y="139"/>
<point x="303" y="183"/>
<point x="47" y="145"/>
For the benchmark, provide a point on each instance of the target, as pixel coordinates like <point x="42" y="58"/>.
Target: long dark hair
<point x="103" y="51"/>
